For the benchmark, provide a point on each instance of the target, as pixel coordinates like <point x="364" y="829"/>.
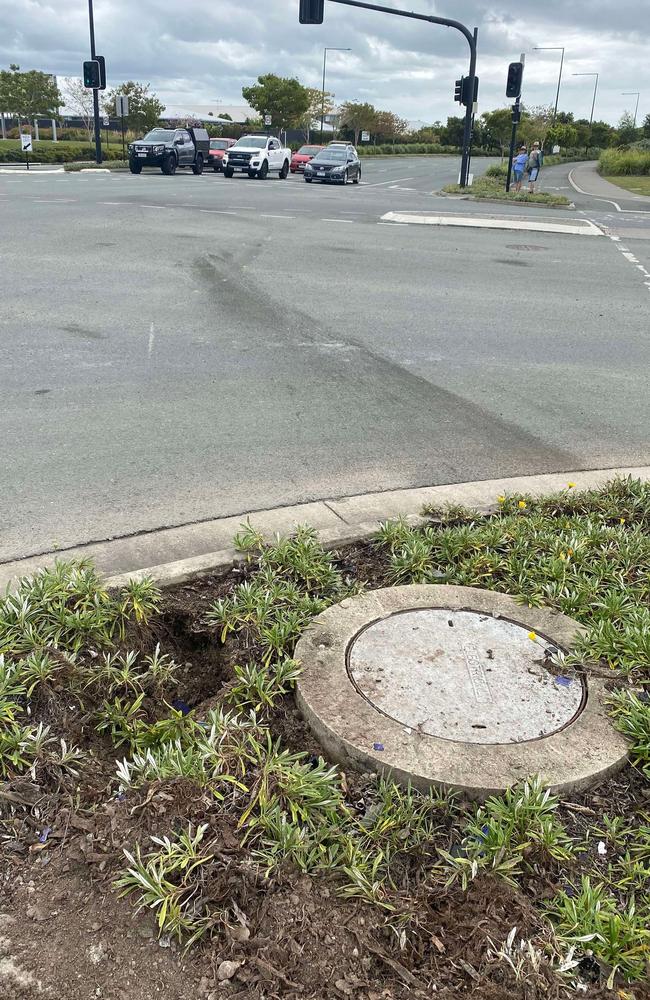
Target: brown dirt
<point x="65" y="935"/>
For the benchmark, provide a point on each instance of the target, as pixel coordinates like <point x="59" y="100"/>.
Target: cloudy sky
<point x="203" y="51"/>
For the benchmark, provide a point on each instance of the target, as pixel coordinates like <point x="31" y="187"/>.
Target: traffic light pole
<point x="516" y="114"/>
<point x="93" y="55"/>
<point x="471" y="37"/>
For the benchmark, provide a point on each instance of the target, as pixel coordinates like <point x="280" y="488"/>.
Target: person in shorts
<point x="519" y="167"/>
<point x="534" y="166"/>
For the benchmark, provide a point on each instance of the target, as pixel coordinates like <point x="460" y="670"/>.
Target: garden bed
<point x="286" y="877"/>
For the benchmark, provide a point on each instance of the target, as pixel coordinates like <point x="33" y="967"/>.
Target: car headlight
<point x="308" y="167"/>
<point x="159" y="149"/>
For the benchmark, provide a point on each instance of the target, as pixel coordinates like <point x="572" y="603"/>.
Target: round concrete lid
<point x="571" y="748"/>
<point x="462" y="675"/>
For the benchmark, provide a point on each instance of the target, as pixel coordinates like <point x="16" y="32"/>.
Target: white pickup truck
<point x="257" y="155"/>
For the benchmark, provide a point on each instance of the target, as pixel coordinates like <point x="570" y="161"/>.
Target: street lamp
<point x="593" y="103"/>
<point x="331" y="48"/>
<point x="633" y="93"/>
<point x="554" y="48"/>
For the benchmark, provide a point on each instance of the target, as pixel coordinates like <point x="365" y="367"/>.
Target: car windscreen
<point x="218" y="144"/>
<point x="160" y="135"/>
<point x="252" y="141"/>
<point x="309" y="150"/>
<point x="332" y="156"/>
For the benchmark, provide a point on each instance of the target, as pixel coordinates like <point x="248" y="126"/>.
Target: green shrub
<point x="624" y="162"/>
<point x="55" y="152"/>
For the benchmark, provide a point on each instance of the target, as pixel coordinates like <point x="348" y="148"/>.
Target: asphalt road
<point x="174" y="349"/>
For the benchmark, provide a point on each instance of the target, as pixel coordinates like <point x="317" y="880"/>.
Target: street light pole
<point x="633" y="93"/>
<point x="93" y="55"/>
<point x="593" y="103"/>
<point x="330" y="48"/>
<point x="554" y="48"/>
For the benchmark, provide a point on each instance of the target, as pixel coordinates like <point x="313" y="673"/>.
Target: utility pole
<point x="93" y="55"/>
<point x="554" y="48"/>
<point x="329" y="48"/>
<point x="633" y="93"/>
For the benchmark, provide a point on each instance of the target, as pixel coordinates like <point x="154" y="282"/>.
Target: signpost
<point x="122" y="111"/>
<point x="513" y="89"/>
<point x="268" y="120"/>
<point x="365" y="137"/>
<point x="26" y="144"/>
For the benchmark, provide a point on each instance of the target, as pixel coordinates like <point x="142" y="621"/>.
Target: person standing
<point x="519" y="166"/>
<point x="534" y="166"/>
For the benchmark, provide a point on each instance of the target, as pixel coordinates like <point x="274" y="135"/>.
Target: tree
<point x="601" y="135"/>
<point x="79" y="100"/>
<point x="453" y="132"/>
<point x="646" y="126"/>
<point x="144" y="107"/>
<point x="283" y="98"/>
<point x="316" y="108"/>
<point x="390" y="126"/>
<point x="358" y="118"/>
<point x="499" y="126"/>
<point x="626" y="129"/>
<point x="29" y="95"/>
<point x="564" y="136"/>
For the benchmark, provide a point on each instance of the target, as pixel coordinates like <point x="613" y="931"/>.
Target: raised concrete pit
<point x="454" y="687"/>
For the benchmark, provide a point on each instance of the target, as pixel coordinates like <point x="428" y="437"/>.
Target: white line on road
<point x="393" y="225"/>
<point x="112" y="202"/>
<point x="210" y="211"/>
<point x="160" y="208"/>
<point x="395" y="180"/>
<point x="631" y="211"/>
<point x="54" y="201"/>
<point x="277" y="216"/>
<point x="349" y="221"/>
<point x="151" y="340"/>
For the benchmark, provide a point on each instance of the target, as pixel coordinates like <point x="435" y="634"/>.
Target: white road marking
<point x="54" y="201"/>
<point x="112" y="202"/>
<point x="210" y="211"/>
<point x="151" y="340"/>
<point x="395" y="180"/>
<point x="393" y="225"/>
<point x="160" y="208"/>
<point x="350" y="221"/>
<point x="631" y="211"/>
<point x="277" y="216"/>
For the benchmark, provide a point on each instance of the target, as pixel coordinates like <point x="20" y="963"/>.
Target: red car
<point x="217" y="149"/>
<point x="304" y="155"/>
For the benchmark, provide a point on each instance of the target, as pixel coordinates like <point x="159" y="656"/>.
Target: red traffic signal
<point x="515" y="79"/>
<point x="311" y="11"/>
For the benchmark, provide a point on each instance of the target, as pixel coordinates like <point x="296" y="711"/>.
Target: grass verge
<point x="637" y="185"/>
<point x="491" y="188"/>
<point x="225" y="804"/>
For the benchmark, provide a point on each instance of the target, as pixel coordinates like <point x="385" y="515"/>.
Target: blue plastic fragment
<point x="180" y="706"/>
<point x="42" y="837"/>
<point x="564" y="682"/>
<point x="378" y="746"/>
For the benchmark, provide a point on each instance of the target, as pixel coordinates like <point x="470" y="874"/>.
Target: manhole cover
<point x="442" y="686"/>
<point x="460" y="675"/>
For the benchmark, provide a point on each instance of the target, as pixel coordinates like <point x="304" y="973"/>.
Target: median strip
<point x="579" y="227"/>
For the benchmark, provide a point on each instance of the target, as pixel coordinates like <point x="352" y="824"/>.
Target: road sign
<point x="556" y="150"/>
<point x="106" y="120"/>
<point x="26" y="143"/>
<point x="365" y="137"/>
<point x="268" y="120"/>
<point x="121" y="106"/>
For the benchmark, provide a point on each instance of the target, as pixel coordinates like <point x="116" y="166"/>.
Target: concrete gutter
<point x="175" y="554"/>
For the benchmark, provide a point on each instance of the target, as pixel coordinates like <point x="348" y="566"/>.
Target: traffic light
<point x="468" y="99"/>
<point x="458" y="90"/>
<point x="92" y="75"/>
<point x="102" y="72"/>
<point x="515" y="78"/>
<point x="311" y="11"/>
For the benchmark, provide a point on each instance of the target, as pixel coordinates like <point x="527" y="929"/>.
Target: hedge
<point x="56" y="152"/>
<point x="624" y="162"/>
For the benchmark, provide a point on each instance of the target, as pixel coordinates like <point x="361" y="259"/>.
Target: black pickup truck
<point x="169" y="148"/>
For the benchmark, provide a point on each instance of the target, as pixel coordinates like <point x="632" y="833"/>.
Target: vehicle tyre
<point x="345" y="178"/>
<point x="357" y="178"/>
<point x="284" y="173"/>
<point x="169" y="165"/>
<point x="228" y="172"/>
<point x="308" y="180"/>
<point x="134" y="167"/>
<point x="197" y="167"/>
<point x="263" y="171"/>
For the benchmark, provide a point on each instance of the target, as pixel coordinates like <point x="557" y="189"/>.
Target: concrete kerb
<point x="177" y="554"/>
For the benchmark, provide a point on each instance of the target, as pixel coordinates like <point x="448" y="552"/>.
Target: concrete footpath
<point x="172" y="555"/>
<point x="585" y="179"/>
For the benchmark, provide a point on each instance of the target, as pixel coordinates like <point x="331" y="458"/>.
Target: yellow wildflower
<point x="522" y="505"/>
<point x="532" y="636"/>
<point x="571" y="486"/>
<point x="622" y="521"/>
<point x="501" y="499"/>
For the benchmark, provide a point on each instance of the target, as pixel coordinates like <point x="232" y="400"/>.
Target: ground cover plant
<point x="491" y="187"/>
<point x="152" y="742"/>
